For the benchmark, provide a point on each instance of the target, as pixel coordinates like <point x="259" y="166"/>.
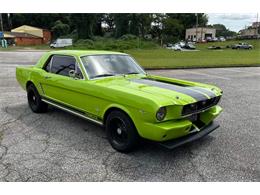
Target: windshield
<point x="110" y="65"/>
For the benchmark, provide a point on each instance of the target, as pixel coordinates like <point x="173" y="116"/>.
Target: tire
<point x="121" y="132"/>
<point x="34" y="100"/>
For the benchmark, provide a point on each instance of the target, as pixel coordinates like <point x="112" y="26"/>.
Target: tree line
<point x="161" y="27"/>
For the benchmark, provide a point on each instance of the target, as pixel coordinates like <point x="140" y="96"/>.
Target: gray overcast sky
<point x="233" y="21"/>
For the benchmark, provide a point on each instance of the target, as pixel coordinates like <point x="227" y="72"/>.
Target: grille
<point x="199" y="106"/>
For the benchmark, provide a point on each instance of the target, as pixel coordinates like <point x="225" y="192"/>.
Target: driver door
<point x="62" y="80"/>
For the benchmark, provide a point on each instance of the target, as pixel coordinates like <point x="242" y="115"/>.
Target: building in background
<point x="28" y="35"/>
<point x="22" y="39"/>
<point x="200" y="34"/>
<point x="43" y="33"/>
<point x="251" y="32"/>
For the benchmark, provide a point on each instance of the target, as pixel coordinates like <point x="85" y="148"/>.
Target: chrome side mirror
<point x="72" y="73"/>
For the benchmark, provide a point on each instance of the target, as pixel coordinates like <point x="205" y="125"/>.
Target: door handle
<point x="47" y="77"/>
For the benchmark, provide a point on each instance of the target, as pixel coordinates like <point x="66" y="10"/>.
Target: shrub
<point x="126" y="43"/>
<point x="128" y="37"/>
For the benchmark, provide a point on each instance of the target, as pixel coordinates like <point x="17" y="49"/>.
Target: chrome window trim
<point x="76" y="65"/>
<point x="144" y="73"/>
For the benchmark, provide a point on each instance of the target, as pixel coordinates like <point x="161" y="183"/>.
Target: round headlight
<point x="161" y="113"/>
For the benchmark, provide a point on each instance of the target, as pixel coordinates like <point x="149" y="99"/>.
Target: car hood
<point x="167" y="90"/>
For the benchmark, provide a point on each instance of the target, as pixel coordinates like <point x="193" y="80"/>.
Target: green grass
<point x="151" y="56"/>
<point x="164" y="58"/>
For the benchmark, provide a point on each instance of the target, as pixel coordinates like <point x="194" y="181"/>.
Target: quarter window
<point x="47" y="66"/>
<point x="62" y="65"/>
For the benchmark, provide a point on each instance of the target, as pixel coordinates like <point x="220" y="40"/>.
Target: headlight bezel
<point x="161" y="113"/>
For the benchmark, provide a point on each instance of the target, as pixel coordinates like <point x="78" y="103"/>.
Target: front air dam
<point x="171" y="144"/>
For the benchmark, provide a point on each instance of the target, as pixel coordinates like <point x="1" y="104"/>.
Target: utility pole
<point x="9" y="21"/>
<point x="1" y="23"/>
<point x="256" y="25"/>
<point x="2" y="31"/>
<point x="197" y="22"/>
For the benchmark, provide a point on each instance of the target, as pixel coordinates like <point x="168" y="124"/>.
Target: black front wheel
<point x="34" y="100"/>
<point x="121" y="132"/>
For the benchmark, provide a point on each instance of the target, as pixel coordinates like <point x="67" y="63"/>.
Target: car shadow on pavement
<point x="22" y="113"/>
<point x="66" y="136"/>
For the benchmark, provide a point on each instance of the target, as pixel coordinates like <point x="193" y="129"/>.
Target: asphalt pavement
<point x="56" y="146"/>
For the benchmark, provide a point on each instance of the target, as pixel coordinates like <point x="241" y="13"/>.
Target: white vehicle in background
<point x="222" y="39"/>
<point x="175" y="47"/>
<point x="215" y="39"/>
<point x="59" y="43"/>
<point x="181" y="44"/>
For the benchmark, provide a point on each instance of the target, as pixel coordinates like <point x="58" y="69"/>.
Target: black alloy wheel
<point x="121" y="132"/>
<point x="34" y="100"/>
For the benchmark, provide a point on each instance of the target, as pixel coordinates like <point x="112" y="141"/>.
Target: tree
<point x="188" y="20"/>
<point x="108" y="20"/>
<point x="162" y="27"/>
<point x="97" y="28"/>
<point x="172" y="29"/>
<point x="145" y="21"/>
<point x="37" y="20"/>
<point x="134" y="25"/>
<point x="121" y="24"/>
<point x="221" y="30"/>
<point x="84" y="24"/>
<point x="157" y="26"/>
<point x="60" y="29"/>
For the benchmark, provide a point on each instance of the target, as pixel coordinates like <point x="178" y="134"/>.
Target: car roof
<point x="85" y="52"/>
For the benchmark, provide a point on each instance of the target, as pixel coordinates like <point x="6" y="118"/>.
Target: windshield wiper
<point x="133" y="73"/>
<point x="103" y="75"/>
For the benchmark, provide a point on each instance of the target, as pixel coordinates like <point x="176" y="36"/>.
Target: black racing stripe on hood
<point x="172" y="83"/>
<point x="205" y="91"/>
<point x="194" y="94"/>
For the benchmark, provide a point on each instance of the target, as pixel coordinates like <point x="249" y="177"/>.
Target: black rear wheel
<point x="121" y="132"/>
<point x="34" y="100"/>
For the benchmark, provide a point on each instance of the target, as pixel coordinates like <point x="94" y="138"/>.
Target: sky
<point x="233" y="21"/>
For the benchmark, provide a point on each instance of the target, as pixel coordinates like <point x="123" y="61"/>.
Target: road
<point x="57" y="146"/>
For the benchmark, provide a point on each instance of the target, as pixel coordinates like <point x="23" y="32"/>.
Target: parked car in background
<point x="215" y="39"/>
<point x="175" y="47"/>
<point x="189" y="45"/>
<point x="222" y="39"/>
<point x="169" y="46"/>
<point x="215" y="47"/>
<point x="60" y="43"/>
<point x="209" y="39"/>
<point x="242" y="46"/>
<point x="182" y="44"/>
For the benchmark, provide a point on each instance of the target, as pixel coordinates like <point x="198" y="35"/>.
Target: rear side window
<point x="47" y="66"/>
<point x="62" y="65"/>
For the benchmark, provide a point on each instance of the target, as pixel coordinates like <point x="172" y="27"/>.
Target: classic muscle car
<point x="112" y="90"/>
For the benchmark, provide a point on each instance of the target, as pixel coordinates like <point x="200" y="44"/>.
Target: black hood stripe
<point x="205" y="91"/>
<point x="194" y="94"/>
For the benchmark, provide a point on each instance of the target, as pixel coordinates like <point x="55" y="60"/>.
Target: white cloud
<point x="236" y="16"/>
<point x="233" y="21"/>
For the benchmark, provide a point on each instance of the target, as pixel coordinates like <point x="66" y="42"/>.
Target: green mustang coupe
<point x="112" y="90"/>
